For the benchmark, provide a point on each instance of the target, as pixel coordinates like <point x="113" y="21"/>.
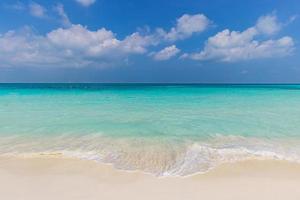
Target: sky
<point x="161" y="41"/>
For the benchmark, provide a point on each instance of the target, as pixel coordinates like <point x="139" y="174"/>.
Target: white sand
<point x="71" y="179"/>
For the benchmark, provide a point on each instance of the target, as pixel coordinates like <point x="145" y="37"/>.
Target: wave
<point x="160" y="156"/>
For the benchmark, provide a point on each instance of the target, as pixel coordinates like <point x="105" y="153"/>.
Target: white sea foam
<point x="160" y="156"/>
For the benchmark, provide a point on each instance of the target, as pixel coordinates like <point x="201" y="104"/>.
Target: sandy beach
<point x="71" y="179"/>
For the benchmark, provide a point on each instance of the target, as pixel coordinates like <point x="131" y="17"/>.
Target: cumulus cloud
<point x="166" y="53"/>
<point x="268" y="24"/>
<point x="79" y="38"/>
<point x="232" y="46"/>
<point x="37" y="10"/>
<point x="86" y="3"/>
<point x="185" y="27"/>
<point x="75" y="46"/>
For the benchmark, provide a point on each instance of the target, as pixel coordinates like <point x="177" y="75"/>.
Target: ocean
<point x="164" y="129"/>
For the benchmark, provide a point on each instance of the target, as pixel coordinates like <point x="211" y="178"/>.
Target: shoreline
<point x="54" y="177"/>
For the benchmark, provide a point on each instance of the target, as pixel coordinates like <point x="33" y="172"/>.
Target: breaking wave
<point x="160" y="156"/>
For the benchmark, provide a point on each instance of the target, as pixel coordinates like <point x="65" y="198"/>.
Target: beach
<point x="149" y="100"/>
<point x="56" y="177"/>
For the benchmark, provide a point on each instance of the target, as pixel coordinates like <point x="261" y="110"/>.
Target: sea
<point x="162" y="129"/>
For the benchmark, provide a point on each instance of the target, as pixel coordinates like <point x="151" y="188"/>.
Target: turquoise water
<point x="162" y="129"/>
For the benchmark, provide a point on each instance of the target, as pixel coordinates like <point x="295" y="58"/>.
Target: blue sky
<point x="205" y="41"/>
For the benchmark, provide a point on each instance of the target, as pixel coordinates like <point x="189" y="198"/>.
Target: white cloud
<point x="79" y="38"/>
<point x="232" y="46"/>
<point x="75" y="46"/>
<point x="86" y="3"/>
<point x="166" y="53"/>
<point x="268" y="24"/>
<point x="59" y="8"/>
<point x="137" y="42"/>
<point x="185" y="27"/>
<point x="37" y="10"/>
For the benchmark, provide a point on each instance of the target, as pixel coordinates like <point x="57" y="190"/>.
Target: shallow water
<point x="163" y="129"/>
